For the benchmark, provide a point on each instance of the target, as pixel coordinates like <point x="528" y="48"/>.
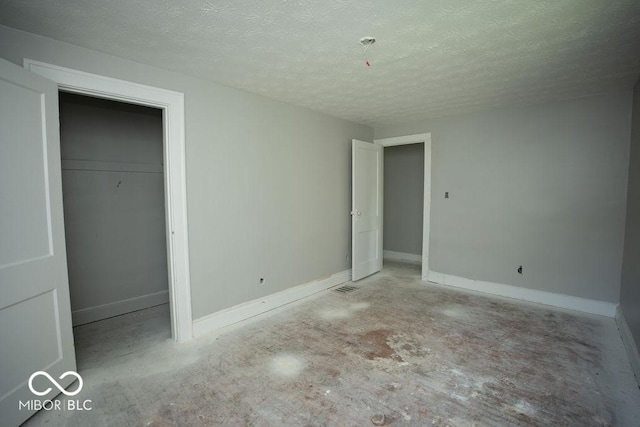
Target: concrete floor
<point x="395" y="351"/>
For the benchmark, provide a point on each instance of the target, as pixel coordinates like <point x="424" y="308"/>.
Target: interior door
<point x="35" y="313"/>
<point x="366" y="209"/>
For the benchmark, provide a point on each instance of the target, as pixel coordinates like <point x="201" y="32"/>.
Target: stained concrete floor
<point x="394" y="351"/>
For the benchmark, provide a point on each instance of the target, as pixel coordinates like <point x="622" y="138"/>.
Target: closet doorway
<point x="172" y="105"/>
<point x="114" y="207"/>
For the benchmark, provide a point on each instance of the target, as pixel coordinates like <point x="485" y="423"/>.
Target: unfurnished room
<point x="319" y="213"/>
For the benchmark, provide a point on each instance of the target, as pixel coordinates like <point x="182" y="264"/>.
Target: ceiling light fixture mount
<point x="367" y="41"/>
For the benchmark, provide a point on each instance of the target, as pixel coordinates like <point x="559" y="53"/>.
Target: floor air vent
<point x="345" y="289"/>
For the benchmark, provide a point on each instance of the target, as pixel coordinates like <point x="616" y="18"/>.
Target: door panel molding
<point x="35" y="311"/>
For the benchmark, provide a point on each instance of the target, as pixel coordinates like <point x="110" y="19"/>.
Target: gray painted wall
<point x="268" y="183"/>
<point x="543" y="187"/>
<point x="630" y="290"/>
<point x="403" y="198"/>
<point x="113" y="191"/>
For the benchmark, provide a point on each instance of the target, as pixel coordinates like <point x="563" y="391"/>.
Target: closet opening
<point x="115" y="227"/>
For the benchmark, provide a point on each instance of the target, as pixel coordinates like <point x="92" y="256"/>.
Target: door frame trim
<point x="426" y="217"/>
<point x="172" y="105"/>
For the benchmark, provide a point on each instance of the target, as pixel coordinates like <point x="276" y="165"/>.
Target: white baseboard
<point x="227" y="317"/>
<point x="104" y="311"/>
<point x="629" y="343"/>
<point x="402" y="256"/>
<point x="585" y="305"/>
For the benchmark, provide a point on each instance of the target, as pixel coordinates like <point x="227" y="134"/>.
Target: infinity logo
<point x="55" y="383"/>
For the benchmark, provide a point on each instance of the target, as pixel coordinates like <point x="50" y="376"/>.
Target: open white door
<point x="366" y="209"/>
<point x="35" y="314"/>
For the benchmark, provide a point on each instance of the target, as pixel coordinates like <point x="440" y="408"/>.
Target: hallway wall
<point x="630" y="283"/>
<point x="403" y="198"/>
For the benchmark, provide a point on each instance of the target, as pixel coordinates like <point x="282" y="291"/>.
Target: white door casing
<point x="366" y="209"/>
<point x="426" y="219"/>
<point x="35" y="312"/>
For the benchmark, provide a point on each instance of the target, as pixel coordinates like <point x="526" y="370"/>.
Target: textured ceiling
<point x="432" y="58"/>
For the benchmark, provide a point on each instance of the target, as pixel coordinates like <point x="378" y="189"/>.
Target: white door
<point x="35" y="314"/>
<point x="366" y="209"/>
